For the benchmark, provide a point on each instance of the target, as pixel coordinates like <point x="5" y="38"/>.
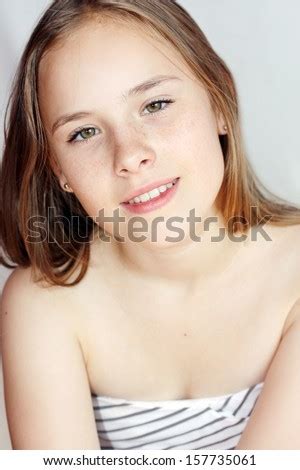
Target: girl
<point x="121" y="330"/>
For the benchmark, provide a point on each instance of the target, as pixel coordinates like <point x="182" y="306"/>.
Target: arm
<point x="46" y="389"/>
<point x="275" y="421"/>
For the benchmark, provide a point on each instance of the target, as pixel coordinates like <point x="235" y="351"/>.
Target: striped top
<point x="196" y="423"/>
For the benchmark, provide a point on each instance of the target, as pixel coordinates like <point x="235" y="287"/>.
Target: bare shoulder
<point x="46" y="388"/>
<point x="20" y="278"/>
<point x="285" y="246"/>
<point x="21" y="282"/>
<point x="286" y="236"/>
<point x="288" y="259"/>
<point x="290" y="250"/>
<point x="18" y="291"/>
<point x="21" y="293"/>
<point x="23" y="301"/>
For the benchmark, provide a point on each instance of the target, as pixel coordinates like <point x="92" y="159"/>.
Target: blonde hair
<point x="28" y="185"/>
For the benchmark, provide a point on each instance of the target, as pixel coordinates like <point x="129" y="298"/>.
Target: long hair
<point x="28" y="186"/>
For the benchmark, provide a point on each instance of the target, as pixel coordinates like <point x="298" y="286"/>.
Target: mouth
<point x="153" y="194"/>
<point x="153" y="199"/>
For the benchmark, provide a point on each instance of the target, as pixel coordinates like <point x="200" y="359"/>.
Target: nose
<point x="132" y="153"/>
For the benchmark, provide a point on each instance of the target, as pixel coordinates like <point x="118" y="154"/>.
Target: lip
<point x="147" y="188"/>
<point x="154" y="203"/>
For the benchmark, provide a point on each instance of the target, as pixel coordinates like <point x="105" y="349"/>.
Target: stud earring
<point x="66" y="186"/>
<point x="225" y="128"/>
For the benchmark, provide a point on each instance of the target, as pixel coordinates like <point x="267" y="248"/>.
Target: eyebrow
<point x="136" y="90"/>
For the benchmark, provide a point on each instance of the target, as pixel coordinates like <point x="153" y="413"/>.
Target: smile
<point x="153" y="199"/>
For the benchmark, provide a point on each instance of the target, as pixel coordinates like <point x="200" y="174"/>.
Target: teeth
<point x="152" y="194"/>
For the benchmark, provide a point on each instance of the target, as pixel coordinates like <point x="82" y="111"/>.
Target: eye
<point x="85" y="132"/>
<point x="156" y="108"/>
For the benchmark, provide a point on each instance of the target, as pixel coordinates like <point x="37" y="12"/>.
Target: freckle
<point x="185" y="334"/>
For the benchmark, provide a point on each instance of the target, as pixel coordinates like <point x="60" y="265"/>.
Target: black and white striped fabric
<point x="204" y="423"/>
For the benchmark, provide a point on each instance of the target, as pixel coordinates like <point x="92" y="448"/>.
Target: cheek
<point x="95" y="203"/>
<point x="195" y="141"/>
<point x="87" y="176"/>
<point x="200" y="155"/>
<point x="91" y="188"/>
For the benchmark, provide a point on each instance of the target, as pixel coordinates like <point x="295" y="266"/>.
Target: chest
<point x="146" y="346"/>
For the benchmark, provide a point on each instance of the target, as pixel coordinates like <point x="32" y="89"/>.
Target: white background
<point x="259" y="41"/>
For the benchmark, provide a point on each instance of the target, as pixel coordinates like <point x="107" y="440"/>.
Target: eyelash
<point x="77" y="132"/>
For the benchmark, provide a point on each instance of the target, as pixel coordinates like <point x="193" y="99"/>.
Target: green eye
<point x="86" y="133"/>
<point x="156" y="105"/>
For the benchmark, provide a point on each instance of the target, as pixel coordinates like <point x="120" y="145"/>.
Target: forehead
<point x="105" y="59"/>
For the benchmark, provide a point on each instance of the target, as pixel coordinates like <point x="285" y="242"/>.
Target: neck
<point x="186" y="263"/>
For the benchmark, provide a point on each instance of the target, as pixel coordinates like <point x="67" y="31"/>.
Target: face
<point x="124" y="142"/>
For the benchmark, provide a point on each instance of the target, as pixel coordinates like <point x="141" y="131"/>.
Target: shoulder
<point x="285" y="237"/>
<point x="18" y="277"/>
<point x="289" y="255"/>
<point x="18" y="290"/>
<point x="284" y="244"/>
<point x="288" y="263"/>
<point x="24" y="301"/>
<point x="21" y="287"/>
<point x="21" y="281"/>
<point x="277" y="261"/>
<point x="289" y="234"/>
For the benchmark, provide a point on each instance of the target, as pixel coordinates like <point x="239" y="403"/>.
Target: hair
<point x="28" y="186"/>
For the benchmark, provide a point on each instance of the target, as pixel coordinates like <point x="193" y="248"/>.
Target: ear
<point x="218" y="117"/>
<point x="221" y="123"/>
